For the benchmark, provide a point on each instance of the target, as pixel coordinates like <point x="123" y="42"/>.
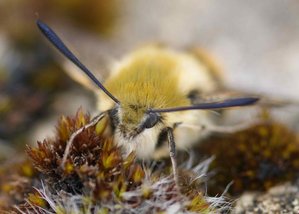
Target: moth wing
<point x="77" y="75"/>
<point x="210" y="61"/>
<point x="95" y="52"/>
<point x="264" y="101"/>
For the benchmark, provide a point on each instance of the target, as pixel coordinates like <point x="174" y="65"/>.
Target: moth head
<point x="131" y="120"/>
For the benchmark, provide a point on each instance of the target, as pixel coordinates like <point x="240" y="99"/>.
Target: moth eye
<point x="113" y="112"/>
<point x="151" y="120"/>
<point x="113" y="116"/>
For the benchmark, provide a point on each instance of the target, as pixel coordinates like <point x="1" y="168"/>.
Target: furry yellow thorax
<point x="149" y="80"/>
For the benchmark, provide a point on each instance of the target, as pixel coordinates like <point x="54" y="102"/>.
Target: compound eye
<point x="151" y="120"/>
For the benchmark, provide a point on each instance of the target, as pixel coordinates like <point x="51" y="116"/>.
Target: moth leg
<point x="172" y="154"/>
<point x="69" y="143"/>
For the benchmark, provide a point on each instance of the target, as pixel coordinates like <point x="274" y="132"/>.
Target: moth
<point x="151" y="99"/>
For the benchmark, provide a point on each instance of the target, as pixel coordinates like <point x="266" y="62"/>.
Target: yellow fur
<point x="149" y="81"/>
<point x="157" y="77"/>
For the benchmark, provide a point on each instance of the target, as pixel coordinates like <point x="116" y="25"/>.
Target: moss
<point x="16" y="181"/>
<point x="97" y="178"/>
<point x="254" y="159"/>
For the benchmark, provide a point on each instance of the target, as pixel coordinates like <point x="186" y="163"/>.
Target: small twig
<point x="69" y="143"/>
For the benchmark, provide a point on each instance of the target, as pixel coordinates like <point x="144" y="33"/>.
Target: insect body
<point x="148" y="99"/>
<point x="156" y="78"/>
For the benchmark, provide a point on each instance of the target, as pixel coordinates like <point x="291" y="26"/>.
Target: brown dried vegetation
<point x="254" y="159"/>
<point x="97" y="172"/>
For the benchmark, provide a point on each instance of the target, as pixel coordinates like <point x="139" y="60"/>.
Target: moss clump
<point x="98" y="178"/>
<point x="16" y="180"/>
<point x="254" y="159"/>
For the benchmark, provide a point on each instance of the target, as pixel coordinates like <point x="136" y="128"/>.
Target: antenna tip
<point x="253" y="100"/>
<point x="39" y="23"/>
<point x="45" y="29"/>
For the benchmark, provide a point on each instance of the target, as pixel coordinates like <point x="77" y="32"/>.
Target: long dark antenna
<point x="57" y="42"/>
<point x="233" y="102"/>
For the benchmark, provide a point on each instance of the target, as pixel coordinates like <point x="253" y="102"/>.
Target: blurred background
<point x="255" y="42"/>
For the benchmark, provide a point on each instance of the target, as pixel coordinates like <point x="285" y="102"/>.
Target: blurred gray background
<point x="255" y="42"/>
